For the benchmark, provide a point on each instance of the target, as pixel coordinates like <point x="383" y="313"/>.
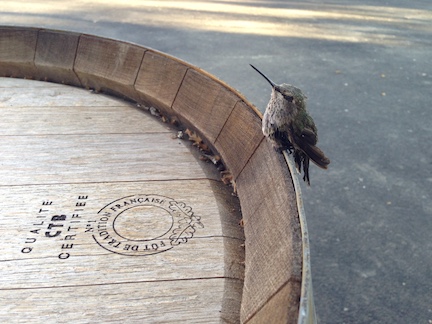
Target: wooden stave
<point x="277" y="285"/>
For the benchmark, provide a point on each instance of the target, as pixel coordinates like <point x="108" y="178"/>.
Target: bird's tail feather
<point x="317" y="156"/>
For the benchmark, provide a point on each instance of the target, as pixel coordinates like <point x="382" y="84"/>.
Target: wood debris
<point x="180" y="135"/>
<point x="228" y="179"/>
<point x="154" y="112"/>
<point x="197" y="140"/>
<point x="215" y="159"/>
<point x="164" y="119"/>
<point x="206" y="153"/>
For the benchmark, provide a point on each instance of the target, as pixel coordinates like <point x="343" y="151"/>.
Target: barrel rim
<point x="30" y="69"/>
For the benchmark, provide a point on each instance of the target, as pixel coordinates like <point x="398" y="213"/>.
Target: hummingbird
<point x="288" y="126"/>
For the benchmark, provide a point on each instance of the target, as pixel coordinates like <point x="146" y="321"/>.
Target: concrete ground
<point x="366" y="67"/>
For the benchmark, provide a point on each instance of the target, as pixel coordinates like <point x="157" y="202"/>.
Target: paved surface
<point x="366" y="67"/>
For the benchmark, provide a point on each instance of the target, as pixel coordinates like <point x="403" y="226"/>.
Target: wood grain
<point x="55" y="56"/>
<point x="74" y="120"/>
<point x="47" y="154"/>
<point x="159" y="80"/>
<point x="239" y="138"/>
<point x="273" y="312"/>
<point x="108" y="65"/>
<point x="134" y="302"/>
<point x="106" y="217"/>
<point x="52" y="96"/>
<point x="272" y="220"/>
<point x="204" y="103"/>
<point x="17" y="50"/>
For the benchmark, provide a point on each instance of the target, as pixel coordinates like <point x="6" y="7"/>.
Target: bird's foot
<point x="280" y="149"/>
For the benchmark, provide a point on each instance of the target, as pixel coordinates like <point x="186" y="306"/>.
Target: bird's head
<point x="288" y="92"/>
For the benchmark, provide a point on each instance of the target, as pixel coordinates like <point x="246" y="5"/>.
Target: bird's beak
<point x="274" y="86"/>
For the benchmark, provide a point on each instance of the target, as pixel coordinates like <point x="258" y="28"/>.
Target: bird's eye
<point x="288" y="98"/>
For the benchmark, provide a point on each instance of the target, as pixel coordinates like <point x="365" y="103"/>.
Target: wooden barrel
<point x="109" y="216"/>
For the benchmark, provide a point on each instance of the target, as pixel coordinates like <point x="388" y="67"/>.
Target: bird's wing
<point x="307" y="145"/>
<point x="305" y="136"/>
<point x="309" y="136"/>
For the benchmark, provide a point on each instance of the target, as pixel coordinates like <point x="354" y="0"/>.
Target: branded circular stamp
<point x="141" y="225"/>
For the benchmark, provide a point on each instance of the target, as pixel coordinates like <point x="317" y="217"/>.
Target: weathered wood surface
<point x="277" y="277"/>
<point x="107" y="217"/>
